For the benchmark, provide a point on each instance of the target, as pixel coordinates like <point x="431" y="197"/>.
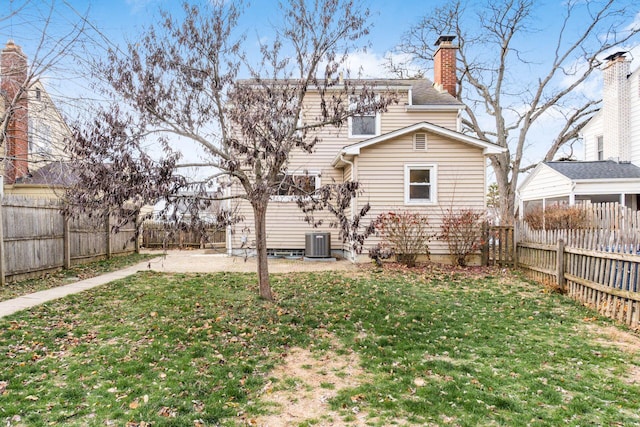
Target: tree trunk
<point x="260" y="217"/>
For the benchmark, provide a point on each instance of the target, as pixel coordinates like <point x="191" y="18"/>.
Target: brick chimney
<point x="13" y="72"/>
<point x="616" y="107"/>
<point x="444" y="64"/>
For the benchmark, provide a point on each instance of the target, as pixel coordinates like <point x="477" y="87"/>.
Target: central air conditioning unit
<point x="317" y="245"/>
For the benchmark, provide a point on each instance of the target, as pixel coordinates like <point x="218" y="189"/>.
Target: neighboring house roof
<point x="604" y="169"/>
<point x="55" y="174"/>
<point x="354" y="149"/>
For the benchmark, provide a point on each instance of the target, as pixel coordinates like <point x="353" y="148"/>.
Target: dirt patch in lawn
<point x="625" y="341"/>
<point x="305" y="383"/>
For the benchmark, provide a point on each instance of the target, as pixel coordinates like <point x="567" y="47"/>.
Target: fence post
<point x="515" y="243"/>
<point x="484" y="260"/>
<point x="560" y="265"/>
<point x="66" y="240"/>
<point x="138" y="226"/>
<point x="2" y="265"/>
<point x="108" y="233"/>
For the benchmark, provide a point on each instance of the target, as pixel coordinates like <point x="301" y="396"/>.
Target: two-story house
<point x="412" y="157"/>
<point x="610" y="170"/>
<point x="35" y="134"/>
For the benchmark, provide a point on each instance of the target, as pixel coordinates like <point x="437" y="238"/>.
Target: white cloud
<point x="371" y="64"/>
<point x="138" y="5"/>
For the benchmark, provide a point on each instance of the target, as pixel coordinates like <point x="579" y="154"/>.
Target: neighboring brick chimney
<point x="13" y="71"/>
<point x="444" y="64"/>
<point x="616" y="107"/>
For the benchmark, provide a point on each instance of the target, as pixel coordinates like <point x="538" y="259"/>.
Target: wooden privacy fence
<point x="597" y="266"/>
<point x="159" y="234"/>
<point x="35" y="237"/>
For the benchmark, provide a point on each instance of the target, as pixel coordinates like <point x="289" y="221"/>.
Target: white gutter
<point x="432" y="107"/>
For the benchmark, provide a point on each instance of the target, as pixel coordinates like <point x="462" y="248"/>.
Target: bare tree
<point x="180" y="79"/>
<point x="509" y="90"/>
<point x="32" y="131"/>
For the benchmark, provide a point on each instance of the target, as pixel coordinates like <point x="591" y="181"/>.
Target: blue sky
<point x="123" y="19"/>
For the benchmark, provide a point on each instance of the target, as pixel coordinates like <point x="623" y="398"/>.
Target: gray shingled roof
<point x="605" y="169"/>
<point x="422" y="90"/>
<point x="423" y="93"/>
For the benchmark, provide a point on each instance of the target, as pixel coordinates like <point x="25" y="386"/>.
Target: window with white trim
<point x="296" y="185"/>
<point x="420" y="184"/>
<point x="600" y="147"/>
<point x="420" y="141"/>
<point x="364" y="125"/>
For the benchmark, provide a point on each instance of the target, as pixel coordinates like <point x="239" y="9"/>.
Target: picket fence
<point x="598" y="266"/>
<point x="35" y="237"/>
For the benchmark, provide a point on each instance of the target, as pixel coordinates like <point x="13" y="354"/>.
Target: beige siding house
<point x="411" y="157"/>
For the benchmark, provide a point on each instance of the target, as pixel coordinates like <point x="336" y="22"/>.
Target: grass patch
<point x="73" y="274"/>
<point x="183" y="349"/>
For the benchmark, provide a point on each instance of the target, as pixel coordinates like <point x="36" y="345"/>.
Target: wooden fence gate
<point x="499" y="247"/>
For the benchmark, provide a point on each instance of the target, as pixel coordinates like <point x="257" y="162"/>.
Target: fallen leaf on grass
<point x="166" y="411"/>
<point x="32" y="398"/>
<point x="419" y="382"/>
<point x="3" y="386"/>
<point x="357" y="397"/>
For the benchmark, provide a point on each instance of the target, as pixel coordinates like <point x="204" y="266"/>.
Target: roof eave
<point x="599" y="180"/>
<point x="434" y="107"/>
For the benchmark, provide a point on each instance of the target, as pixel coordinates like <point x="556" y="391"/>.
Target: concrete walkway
<point x="31" y="300"/>
<point x="195" y="261"/>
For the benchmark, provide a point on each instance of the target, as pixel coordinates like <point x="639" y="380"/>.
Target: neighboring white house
<point x="411" y="157"/>
<point x="610" y="171"/>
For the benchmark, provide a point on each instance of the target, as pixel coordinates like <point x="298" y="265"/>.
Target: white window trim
<point x="434" y="184"/>
<point x="598" y="138"/>
<point x="318" y="180"/>
<point x="375" y="114"/>
<point x="377" y="131"/>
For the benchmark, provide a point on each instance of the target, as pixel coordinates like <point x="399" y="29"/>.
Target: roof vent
<point x="420" y="141"/>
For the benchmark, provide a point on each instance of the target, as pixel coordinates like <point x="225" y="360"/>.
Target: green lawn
<point x="438" y="348"/>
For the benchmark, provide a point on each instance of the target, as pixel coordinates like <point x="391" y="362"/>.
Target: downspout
<point x="572" y="194"/>
<point x="353" y="199"/>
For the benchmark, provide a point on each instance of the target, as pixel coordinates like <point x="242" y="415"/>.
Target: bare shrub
<point x="462" y="230"/>
<point x="406" y="235"/>
<point x="557" y="217"/>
